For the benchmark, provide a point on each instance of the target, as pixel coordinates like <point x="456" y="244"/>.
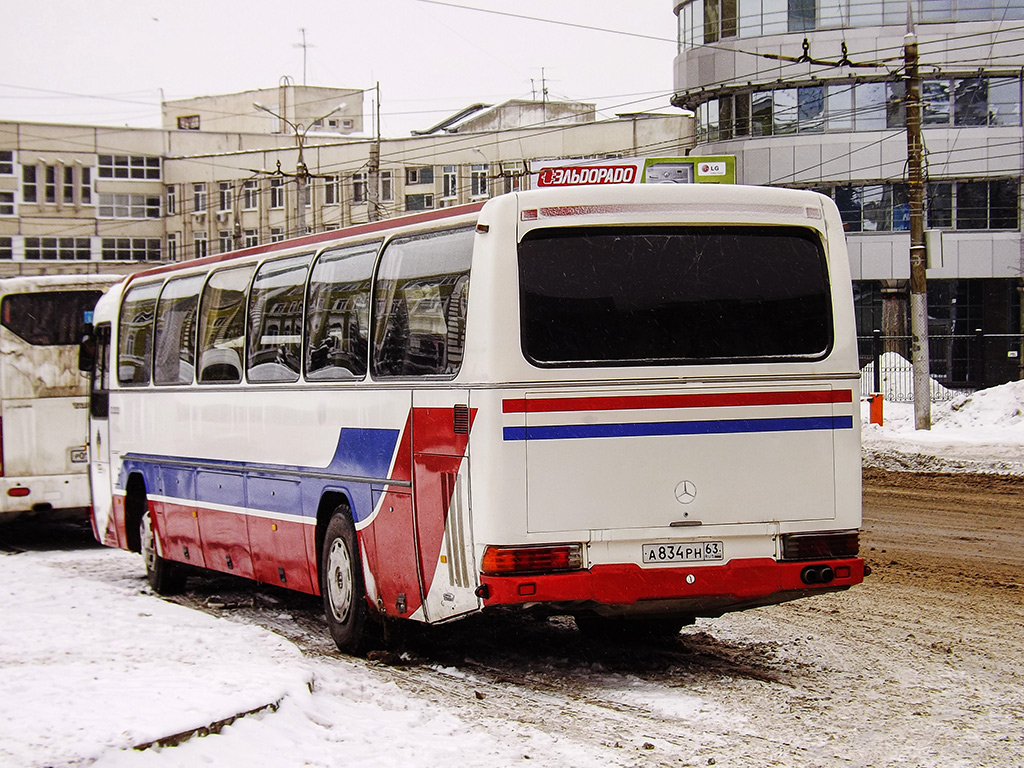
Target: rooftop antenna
<point x="305" y="51"/>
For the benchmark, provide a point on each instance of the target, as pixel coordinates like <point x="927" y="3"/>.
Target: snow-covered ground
<point x="979" y="432"/>
<point x="92" y="664"/>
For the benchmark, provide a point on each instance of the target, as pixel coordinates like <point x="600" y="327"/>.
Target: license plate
<point x="79" y="455"/>
<point x="698" y="551"/>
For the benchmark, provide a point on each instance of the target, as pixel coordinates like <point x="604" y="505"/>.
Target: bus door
<point x="99" y="440"/>
<point x="441" y="421"/>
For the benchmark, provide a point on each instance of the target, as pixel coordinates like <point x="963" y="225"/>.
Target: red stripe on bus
<point x="329" y="236"/>
<point x="643" y="402"/>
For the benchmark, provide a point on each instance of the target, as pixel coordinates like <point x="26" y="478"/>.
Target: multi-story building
<point x="232" y="171"/>
<point x="812" y="93"/>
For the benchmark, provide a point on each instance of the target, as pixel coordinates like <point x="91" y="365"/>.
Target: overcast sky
<point x="110" y="62"/>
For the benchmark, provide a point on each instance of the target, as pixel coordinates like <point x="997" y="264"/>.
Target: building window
<point x="419" y="202"/>
<point x="449" y="181"/>
<point x="276" y="234"/>
<point x="129" y="167"/>
<point x="125" y="206"/>
<point x="86" y="185"/>
<point x="276" y="194"/>
<point x="980" y="204"/>
<point x="225" y="242"/>
<point x="54" y="248"/>
<point x="332" y="190"/>
<point x="6" y="162"/>
<point x="226" y="199"/>
<point x="6" y="203"/>
<point x="478" y="180"/>
<point x="6" y="248"/>
<point x="250" y="195"/>
<point x="172" y="247"/>
<point x="200" y="246"/>
<point x="359" y="188"/>
<point x="188" y="123"/>
<point x="171" y="199"/>
<point x="29" y="184"/>
<point x="251" y="238"/>
<point x="423" y="175"/>
<point x="387" y="187"/>
<point x="130" y="248"/>
<point x="199" y="197"/>
<point x="987" y="204"/>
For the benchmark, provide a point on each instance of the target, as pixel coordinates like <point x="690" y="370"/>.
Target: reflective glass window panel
<point x="275" y="320"/>
<point x="338" y="313"/>
<point x="175" y="357"/>
<point x="222" y="326"/>
<point x="420" y="303"/>
<point x="135" y="334"/>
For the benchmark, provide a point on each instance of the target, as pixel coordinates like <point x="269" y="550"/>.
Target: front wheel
<point x="341" y="585"/>
<point x="164" y="576"/>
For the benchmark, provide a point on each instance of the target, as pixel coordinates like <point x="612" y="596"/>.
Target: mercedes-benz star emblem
<point x="686" y="492"/>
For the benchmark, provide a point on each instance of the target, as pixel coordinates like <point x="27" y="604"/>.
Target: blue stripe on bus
<point x="662" y="428"/>
<point x="273" y="488"/>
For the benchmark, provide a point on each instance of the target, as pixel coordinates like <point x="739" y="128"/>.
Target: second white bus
<point x="635" y="405"/>
<point x="43" y="396"/>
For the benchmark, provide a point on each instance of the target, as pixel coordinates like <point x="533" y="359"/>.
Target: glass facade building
<point x="812" y="93"/>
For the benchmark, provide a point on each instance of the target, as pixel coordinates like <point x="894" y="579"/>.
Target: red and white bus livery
<point x="636" y="405"/>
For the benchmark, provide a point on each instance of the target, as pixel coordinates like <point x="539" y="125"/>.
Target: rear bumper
<point x="698" y="591"/>
<point x="44" y="493"/>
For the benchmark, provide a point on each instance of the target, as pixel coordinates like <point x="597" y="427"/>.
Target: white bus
<point x="636" y="405"/>
<point x="43" y="396"/>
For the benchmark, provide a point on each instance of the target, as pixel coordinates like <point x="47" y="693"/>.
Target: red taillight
<point x="820" y="546"/>
<point x="18" y="492"/>
<point x="508" y="561"/>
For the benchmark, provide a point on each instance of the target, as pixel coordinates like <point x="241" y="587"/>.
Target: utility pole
<point x="302" y="173"/>
<point x="918" y="257"/>
<point x="373" y="166"/>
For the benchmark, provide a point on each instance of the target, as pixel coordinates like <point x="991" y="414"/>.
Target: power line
<point x="551" y="21"/>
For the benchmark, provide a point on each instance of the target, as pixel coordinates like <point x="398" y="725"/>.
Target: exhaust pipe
<point x="817" y="574"/>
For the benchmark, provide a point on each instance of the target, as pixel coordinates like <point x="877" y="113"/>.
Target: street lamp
<point x="302" y="174"/>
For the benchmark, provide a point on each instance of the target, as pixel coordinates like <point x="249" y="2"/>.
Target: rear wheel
<point x="164" y="576"/>
<point x="341" y="584"/>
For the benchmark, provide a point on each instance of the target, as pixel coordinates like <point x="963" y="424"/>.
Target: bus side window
<point x="275" y="320"/>
<point x="135" y="335"/>
<point x="222" y="326"/>
<point x="175" y="335"/>
<point x="338" y="313"/>
<point x="99" y="386"/>
<point x="420" y="301"/>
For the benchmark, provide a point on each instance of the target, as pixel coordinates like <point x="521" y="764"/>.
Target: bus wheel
<point x="341" y="584"/>
<point x="165" y="577"/>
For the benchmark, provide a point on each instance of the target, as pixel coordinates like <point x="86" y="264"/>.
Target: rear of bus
<point x="43" y="396"/>
<point x="672" y="428"/>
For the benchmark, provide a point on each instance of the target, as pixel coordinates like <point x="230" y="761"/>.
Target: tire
<point x="620" y="631"/>
<point x="342" y="586"/>
<point x="164" y="576"/>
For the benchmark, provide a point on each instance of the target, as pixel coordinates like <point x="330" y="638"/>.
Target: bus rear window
<point x="660" y="296"/>
<point x="48" y="318"/>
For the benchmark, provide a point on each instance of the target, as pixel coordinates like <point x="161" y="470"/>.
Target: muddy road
<point x="919" y="666"/>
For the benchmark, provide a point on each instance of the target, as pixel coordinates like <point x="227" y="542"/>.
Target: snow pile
<point x="87" y="667"/>
<point x="979" y="432"/>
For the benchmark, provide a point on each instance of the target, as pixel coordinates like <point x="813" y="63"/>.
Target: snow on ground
<point x="978" y="432"/>
<point x="93" y="664"/>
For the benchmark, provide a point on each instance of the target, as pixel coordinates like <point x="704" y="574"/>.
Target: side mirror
<point x="87" y="348"/>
